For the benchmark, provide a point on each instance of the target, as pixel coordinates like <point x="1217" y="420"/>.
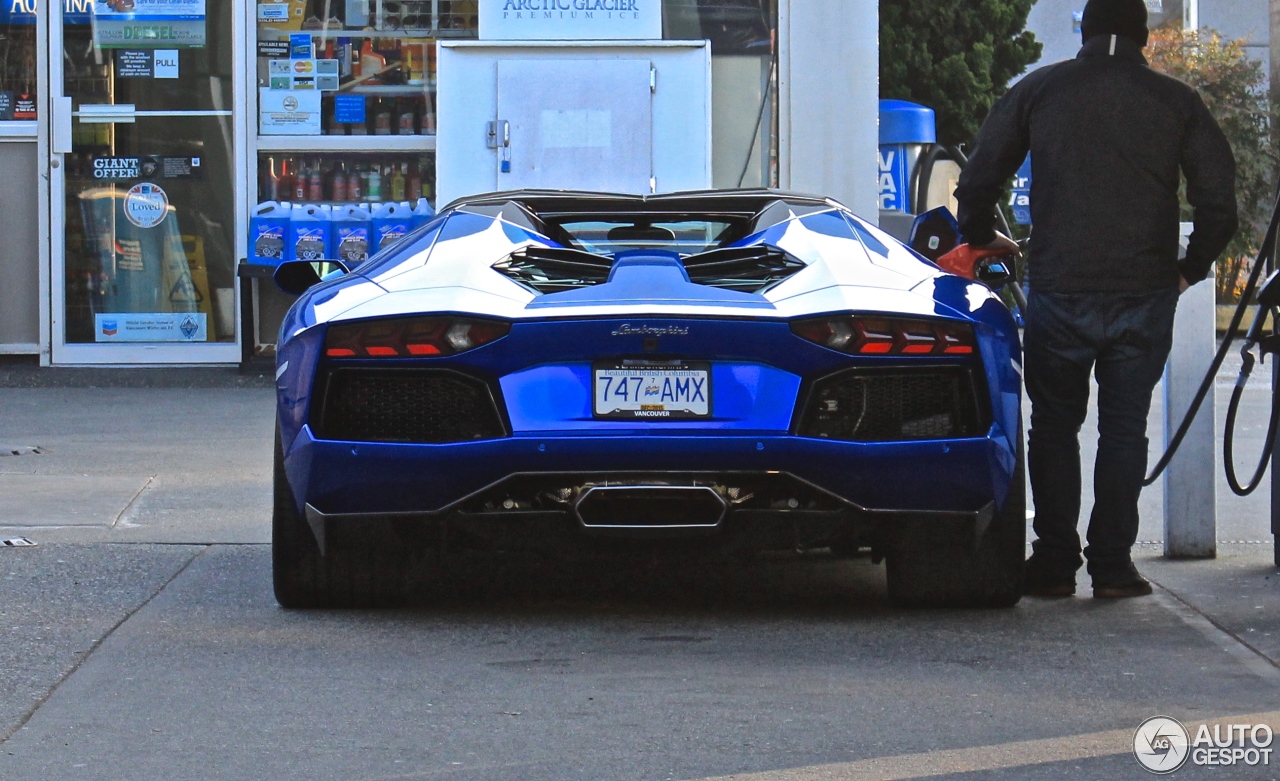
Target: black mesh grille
<point x="428" y="406"/>
<point x="859" y="406"/>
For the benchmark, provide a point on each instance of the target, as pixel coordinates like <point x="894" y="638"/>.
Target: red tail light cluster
<point x="411" y="337"/>
<point x="887" y="335"/>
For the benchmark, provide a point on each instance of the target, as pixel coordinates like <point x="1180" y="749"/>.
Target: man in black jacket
<point x="1108" y="137"/>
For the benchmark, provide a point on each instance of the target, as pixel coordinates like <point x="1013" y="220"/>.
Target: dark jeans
<point x="1124" y="338"/>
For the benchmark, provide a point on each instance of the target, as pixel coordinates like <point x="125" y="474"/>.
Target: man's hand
<point x="1002" y="243"/>
<point x="1183" y="284"/>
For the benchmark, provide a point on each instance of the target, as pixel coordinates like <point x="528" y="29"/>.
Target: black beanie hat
<point x="1115" y="17"/>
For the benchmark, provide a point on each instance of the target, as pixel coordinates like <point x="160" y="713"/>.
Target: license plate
<point x="652" y="392"/>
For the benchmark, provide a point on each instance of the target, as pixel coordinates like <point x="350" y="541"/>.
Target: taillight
<point x="859" y="335"/>
<point x="410" y="337"/>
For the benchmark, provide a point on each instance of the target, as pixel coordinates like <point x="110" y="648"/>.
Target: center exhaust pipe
<point x="650" y="507"/>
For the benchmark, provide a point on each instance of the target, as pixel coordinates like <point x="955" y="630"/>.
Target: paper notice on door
<point x="273" y="12"/>
<point x="148" y="24"/>
<point x="133" y="64"/>
<point x="289" y="112"/>
<point x="303" y="74"/>
<point x="151" y="327"/>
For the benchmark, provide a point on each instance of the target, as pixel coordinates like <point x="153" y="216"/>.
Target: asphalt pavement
<point x="139" y="639"/>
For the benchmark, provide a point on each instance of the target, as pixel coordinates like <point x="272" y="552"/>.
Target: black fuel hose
<point x="1265" y="256"/>
<point x="1228" y="435"/>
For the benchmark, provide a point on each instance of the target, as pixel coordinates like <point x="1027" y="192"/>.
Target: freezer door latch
<point x="498" y="134"/>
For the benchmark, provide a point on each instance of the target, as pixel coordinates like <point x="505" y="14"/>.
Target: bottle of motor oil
<point x="398" y="182"/>
<point x="300" y="183"/>
<point x="338" y="188"/>
<point x="413" y="185"/>
<point x="355" y="185"/>
<point x="268" y="232"/>
<point x="315" y="183"/>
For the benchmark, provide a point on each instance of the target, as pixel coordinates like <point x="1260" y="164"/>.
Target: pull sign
<point x="166" y="63"/>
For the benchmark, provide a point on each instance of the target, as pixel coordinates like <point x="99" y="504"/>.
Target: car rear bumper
<point x="354" y="479"/>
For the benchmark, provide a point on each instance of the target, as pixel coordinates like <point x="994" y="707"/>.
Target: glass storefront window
<point x="17" y="61"/>
<point x="371" y="62"/>
<point x="744" y="83"/>
<point x="732" y="26"/>
<point x="149" y="204"/>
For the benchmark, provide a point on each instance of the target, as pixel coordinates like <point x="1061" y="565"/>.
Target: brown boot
<point x="1126" y="583"/>
<point x="1042" y="581"/>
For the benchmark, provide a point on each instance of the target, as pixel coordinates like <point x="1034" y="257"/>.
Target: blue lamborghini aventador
<point x="713" y="371"/>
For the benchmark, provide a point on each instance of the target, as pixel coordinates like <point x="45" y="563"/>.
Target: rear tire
<point x="929" y="566"/>
<point x="365" y="572"/>
<point x="299" y="573"/>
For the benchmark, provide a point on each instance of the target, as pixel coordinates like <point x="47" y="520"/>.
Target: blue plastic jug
<point x="423" y="213"/>
<point x="269" y="233"/>
<point x="391" y="222"/>
<point x="310" y="232"/>
<point x="352" y="234"/>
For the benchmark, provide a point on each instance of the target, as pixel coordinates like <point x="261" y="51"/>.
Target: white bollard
<point x="1190" y="514"/>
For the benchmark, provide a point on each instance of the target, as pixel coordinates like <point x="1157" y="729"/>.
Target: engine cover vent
<point x="557" y="269"/>
<point x="744" y="269"/>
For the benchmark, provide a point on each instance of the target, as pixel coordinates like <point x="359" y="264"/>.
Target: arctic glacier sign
<point x="570" y="20"/>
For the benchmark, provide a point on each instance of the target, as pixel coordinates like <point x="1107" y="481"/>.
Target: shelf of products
<point x="372" y="61"/>
<point x="349" y="178"/>
<point x="435" y="17"/>
<point x="314" y="207"/>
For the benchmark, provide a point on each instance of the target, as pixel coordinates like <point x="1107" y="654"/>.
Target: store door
<point x="143" y="192"/>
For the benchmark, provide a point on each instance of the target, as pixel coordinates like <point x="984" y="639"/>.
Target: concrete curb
<point x="158" y="377"/>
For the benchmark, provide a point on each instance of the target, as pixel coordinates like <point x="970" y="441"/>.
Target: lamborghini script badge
<point x="626" y="329"/>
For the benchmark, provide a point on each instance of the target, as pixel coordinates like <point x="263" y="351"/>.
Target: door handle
<point x="107" y="112"/>
<point x="61" y="142"/>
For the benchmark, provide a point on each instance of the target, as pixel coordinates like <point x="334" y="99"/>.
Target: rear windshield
<point x="613" y="235"/>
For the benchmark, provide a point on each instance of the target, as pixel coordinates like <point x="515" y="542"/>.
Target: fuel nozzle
<point x="936" y="236"/>
<point x="1268" y="301"/>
